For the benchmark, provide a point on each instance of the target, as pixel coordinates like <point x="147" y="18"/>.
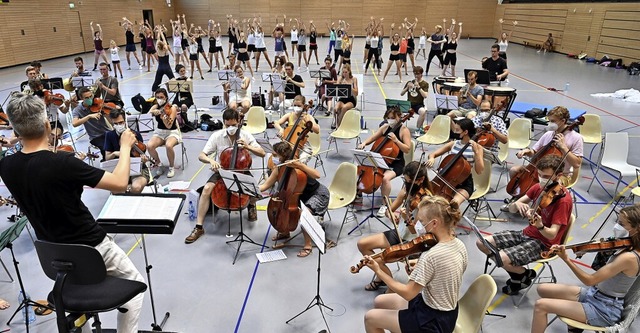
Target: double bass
<point x="371" y="180"/>
<point x="292" y="133"/>
<point x="283" y="209"/>
<point x="527" y="177"/>
<point x="233" y="158"/>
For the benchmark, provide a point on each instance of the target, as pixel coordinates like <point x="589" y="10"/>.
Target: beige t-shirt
<point x="439" y="271"/>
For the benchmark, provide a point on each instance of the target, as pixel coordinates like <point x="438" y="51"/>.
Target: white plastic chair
<point x="360" y="97"/>
<point x="591" y="130"/>
<point x="438" y="132"/>
<point x="315" y="142"/>
<point x="349" y="129"/>
<point x="256" y="121"/>
<point x="343" y="191"/>
<point x="409" y="156"/>
<point x="473" y="305"/>
<point x="519" y="133"/>
<point x="614" y="157"/>
<point x="503" y="153"/>
<point x="482" y="185"/>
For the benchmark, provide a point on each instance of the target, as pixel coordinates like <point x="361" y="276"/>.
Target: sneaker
<point x="382" y="211"/>
<point x="195" y="234"/>
<point x="159" y="170"/>
<point x="128" y="68"/>
<point x="171" y="173"/>
<point x="253" y="213"/>
<point x="504" y="208"/>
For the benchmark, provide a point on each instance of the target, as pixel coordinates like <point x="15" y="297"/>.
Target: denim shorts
<point x="600" y="310"/>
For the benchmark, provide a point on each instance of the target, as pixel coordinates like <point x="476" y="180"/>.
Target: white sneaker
<point x="171" y="173"/>
<point x="382" y="211"/>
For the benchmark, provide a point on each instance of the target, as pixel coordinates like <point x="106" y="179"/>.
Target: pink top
<point x="572" y="139"/>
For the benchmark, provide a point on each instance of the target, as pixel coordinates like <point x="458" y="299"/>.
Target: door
<point x="147" y="14"/>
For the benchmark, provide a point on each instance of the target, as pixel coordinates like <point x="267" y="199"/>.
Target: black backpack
<point x="140" y="103"/>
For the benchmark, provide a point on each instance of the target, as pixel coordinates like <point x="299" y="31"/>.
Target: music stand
<point x="240" y="184"/>
<point x="280" y="86"/>
<point x="6" y="239"/>
<point x="52" y="83"/>
<point x="315" y="231"/>
<point x="482" y="77"/>
<point x="376" y="161"/>
<point x="268" y="148"/>
<point x="446" y="102"/>
<point x="81" y="81"/>
<point x="178" y="87"/>
<point x="321" y="74"/>
<point x="404" y="106"/>
<point x="225" y="75"/>
<point x="235" y="85"/>
<point x="337" y="91"/>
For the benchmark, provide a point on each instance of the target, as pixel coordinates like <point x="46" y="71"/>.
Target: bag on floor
<point x="140" y="104"/>
<point x="535" y="113"/>
<point x="591" y="60"/>
<point x="215" y="100"/>
<point x="257" y="99"/>
<point x="634" y="68"/>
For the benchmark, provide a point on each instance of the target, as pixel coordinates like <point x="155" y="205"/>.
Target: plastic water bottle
<point x="192" y="211"/>
<point x="566" y="87"/>
<point x="28" y="316"/>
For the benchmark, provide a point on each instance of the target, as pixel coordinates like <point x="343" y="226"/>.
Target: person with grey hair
<point x="48" y="187"/>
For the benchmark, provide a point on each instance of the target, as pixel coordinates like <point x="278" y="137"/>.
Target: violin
<point x="527" y="177"/>
<point x="594" y="246"/>
<point x="371" y="180"/>
<point x="292" y="133"/>
<point x="70" y="149"/>
<point x="7" y="201"/>
<point x="99" y="105"/>
<point x="398" y="252"/>
<point x="283" y="209"/>
<point x="232" y="158"/>
<point x="53" y="98"/>
<point x="552" y="193"/>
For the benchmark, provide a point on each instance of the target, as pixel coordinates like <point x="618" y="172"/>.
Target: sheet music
<point x="134" y="165"/>
<point x="122" y="207"/>
<point x="309" y="224"/>
<point x="270" y="256"/>
<point x="364" y="158"/>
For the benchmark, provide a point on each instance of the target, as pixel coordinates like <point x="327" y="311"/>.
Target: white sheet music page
<point x="121" y="207"/>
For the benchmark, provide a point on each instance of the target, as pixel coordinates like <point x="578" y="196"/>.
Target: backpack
<point x="634" y="68"/>
<point x="140" y="104"/>
<point x="208" y="124"/>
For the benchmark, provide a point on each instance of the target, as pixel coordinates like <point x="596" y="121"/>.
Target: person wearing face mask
<point x="217" y="143"/>
<point x="94" y="124"/>
<point x="398" y="135"/>
<point x="112" y="149"/>
<point x="600" y="303"/>
<point x="465" y="130"/>
<point x="569" y="143"/>
<point x="415" y="177"/>
<point x="298" y="111"/>
<point x="496" y="126"/>
<point x="315" y="196"/>
<point x="52" y="110"/>
<point x="429" y="301"/>
<point x="547" y="228"/>
<point x="167" y="133"/>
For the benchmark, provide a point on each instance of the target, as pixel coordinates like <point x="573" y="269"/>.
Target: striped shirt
<point x="439" y="271"/>
<point x="468" y="153"/>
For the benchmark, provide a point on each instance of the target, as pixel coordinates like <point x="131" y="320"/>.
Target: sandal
<point x="330" y="244"/>
<point x="375" y="285"/>
<point x="512" y="288"/>
<point x="43" y="310"/>
<point x="305" y="252"/>
<point x="280" y="236"/>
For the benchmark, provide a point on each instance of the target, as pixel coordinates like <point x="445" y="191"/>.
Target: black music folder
<point x="141" y="213"/>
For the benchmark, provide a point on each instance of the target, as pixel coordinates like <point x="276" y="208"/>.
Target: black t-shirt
<point x="129" y="37"/>
<point x="112" y="141"/>
<point x="48" y="188"/>
<point x="495" y="67"/>
<point x="292" y="87"/>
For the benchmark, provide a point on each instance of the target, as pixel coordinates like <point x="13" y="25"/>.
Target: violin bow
<point x="300" y="159"/>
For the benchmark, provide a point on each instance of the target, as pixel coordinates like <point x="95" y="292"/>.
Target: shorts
<point x="351" y="100"/>
<point x="466" y="185"/>
<point x="416" y="107"/>
<point x="218" y="48"/>
<point x="251" y="47"/>
<point x="462" y="112"/>
<point x="279" y="53"/>
<point x="367" y="46"/>
<point x="346" y="61"/>
<point x="502" y="55"/>
<point x="409" y="50"/>
<point x="520" y="249"/>
<point x="164" y="134"/>
<point x="143" y="173"/>
<point x="319" y="201"/>
<point x="600" y="309"/>
<point x="392" y="237"/>
<point x="98" y="51"/>
<point x="212" y="49"/>
<point x="394" y="57"/>
<point x="177" y="50"/>
<point x="233" y="98"/>
<point x="422" y="46"/>
<point x="130" y="48"/>
<point x="302" y="48"/>
<point x="261" y="49"/>
<point x="294" y="42"/>
<point x="313" y="46"/>
<point x="151" y="50"/>
<point x="403" y="57"/>
<point x="450" y="58"/>
<point x="200" y="49"/>
<point x="115" y="61"/>
<point x="243" y="56"/>
<point x="193" y="56"/>
<point x="419" y="317"/>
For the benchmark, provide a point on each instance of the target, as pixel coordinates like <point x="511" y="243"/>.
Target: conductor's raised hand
<point x="127" y="138"/>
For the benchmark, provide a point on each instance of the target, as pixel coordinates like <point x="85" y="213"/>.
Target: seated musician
<point x="429" y="301"/>
<point x="95" y="125"/>
<point x="184" y="100"/>
<point x="294" y="85"/>
<point x="568" y="142"/>
<point x="80" y="71"/>
<point x="519" y="248"/>
<point x="470" y="97"/>
<point x="217" y="143"/>
<point x="52" y="110"/>
<point x="112" y="150"/>
<point x="241" y="99"/>
<point x="57" y="212"/>
<point x="601" y="302"/>
<point x="418" y="90"/>
<point x="278" y="68"/>
<point x="322" y="84"/>
<point x="55" y="142"/>
<point x="401" y="137"/>
<point x="167" y="133"/>
<point x="346" y="103"/>
<point x="315" y="195"/>
<point x="108" y="88"/>
<point x="496" y="65"/>
<point x="495" y="124"/>
<point x="299" y="111"/>
<point x="465" y="130"/>
<point x="415" y="178"/>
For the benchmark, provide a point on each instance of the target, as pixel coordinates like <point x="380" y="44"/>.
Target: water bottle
<point x="28" y="316"/>
<point x="192" y="211"/>
<point x="566" y="87"/>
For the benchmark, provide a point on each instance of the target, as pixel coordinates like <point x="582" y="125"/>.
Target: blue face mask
<point x="88" y="101"/>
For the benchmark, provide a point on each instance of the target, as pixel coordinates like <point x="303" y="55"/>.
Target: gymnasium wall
<point x="44" y="29"/>
<point x="595" y="28"/>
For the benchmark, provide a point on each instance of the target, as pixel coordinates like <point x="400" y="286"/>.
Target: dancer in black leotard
<point x="98" y="48"/>
<point x="313" y="45"/>
<point x="243" y="52"/>
<point x="131" y="45"/>
<point x="164" y="68"/>
<point x="394" y="55"/>
<point x="449" y="48"/>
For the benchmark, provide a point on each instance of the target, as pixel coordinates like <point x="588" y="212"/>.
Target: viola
<point x="99" y="105"/>
<point x="594" y="246"/>
<point x="552" y="193"/>
<point x="398" y="252"/>
<point x="232" y="158"/>
<point x="70" y="149"/>
<point x="370" y="179"/>
<point x="292" y="133"/>
<point x="53" y="98"/>
<point x="527" y="177"/>
<point x="283" y="209"/>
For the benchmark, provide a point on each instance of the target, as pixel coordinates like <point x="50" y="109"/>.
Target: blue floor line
<point x="584" y="200"/>
<point x="253" y="278"/>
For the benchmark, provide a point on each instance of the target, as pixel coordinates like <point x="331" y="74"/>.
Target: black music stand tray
<point x="240" y="184"/>
<point x="404" y="106"/>
<point x="185" y="87"/>
<point x="376" y="161"/>
<point x="321" y="74"/>
<point x="82" y="81"/>
<point x="52" y="83"/>
<point x="337" y="91"/>
<point x="6" y="239"/>
<point x="141" y="225"/>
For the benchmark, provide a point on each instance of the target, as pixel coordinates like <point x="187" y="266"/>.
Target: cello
<point x="291" y="134"/>
<point x="232" y="158"/>
<point x="452" y="171"/>
<point x="527" y="177"/>
<point x="371" y="180"/>
<point x="283" y="209"/>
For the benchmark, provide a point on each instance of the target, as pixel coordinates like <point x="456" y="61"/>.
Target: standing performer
<point x="176" y="44"/>
<point x="131" y="44"/>
<point x="436" y="40"/>
<point x="313" y="42"/>
<point x="449" y="48"/>
<point x="503" y="41"/>
<point x="115" y="58"/>
<point x="97" y="44"/>
<point x="164" y="67"/>
<point x="261" y="47"/>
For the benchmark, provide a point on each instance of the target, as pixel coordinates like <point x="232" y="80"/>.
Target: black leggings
<point x="373" y="52"/>
<point x="162" y="70"/>
<point x="432" y="53"/>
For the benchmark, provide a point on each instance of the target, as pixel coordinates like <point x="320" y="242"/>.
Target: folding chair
<point x="349" y="129"/>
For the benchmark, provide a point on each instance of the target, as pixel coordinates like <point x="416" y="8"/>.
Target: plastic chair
<point x="438" y="132"/>
<point x="360" y="97"/>
<point x="409" y="157"/>
<point x="503" y="153"/>
<point x="256" y="121"/>
<point x="482" y="184"/>
<point x="519" y="133"/>
<point x="614" y="157"/>
<point x="575" y="176"/>
<point x="343" y="191"/>
<point x="473" y="305"/>
<point x="316" y="142"/>
<point x="349" y="129"/>
<point x="591" y="130"/>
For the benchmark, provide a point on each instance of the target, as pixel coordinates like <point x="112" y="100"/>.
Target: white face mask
<point x="275" y="160"/>
<point x="542" y="180"/>
<point x="619" y="231"/>
<point x="231" y="130"/>
<point x="119" y="128"/>
<point x="552" y="127"/>
<point x="392" y="122"/>
<point x="297" y="109"/>
<point x="160" y="101"/>
<point x="420" y="229"/>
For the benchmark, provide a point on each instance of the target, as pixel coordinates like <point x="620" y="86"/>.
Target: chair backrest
<point x="344" y="181"/>
<point x="591" y="130"/>
<point x="482" y="181"/>
<point x="474" y="303"/>
<point x="315" y="142"/>
<point x="616" y="148"/>
<point x="360" y="78"/>
<point x="83" y="263"/>
<point x="409" y="156"/>
<point x="350" y="123"/>
<point x="519" y="133"/>
<point x="256" y="121"/>
<point x="438" y="131"/>
<point x="503" y="152"/>
<point x="575" y="176"/>
<point x="572" y="220"/>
